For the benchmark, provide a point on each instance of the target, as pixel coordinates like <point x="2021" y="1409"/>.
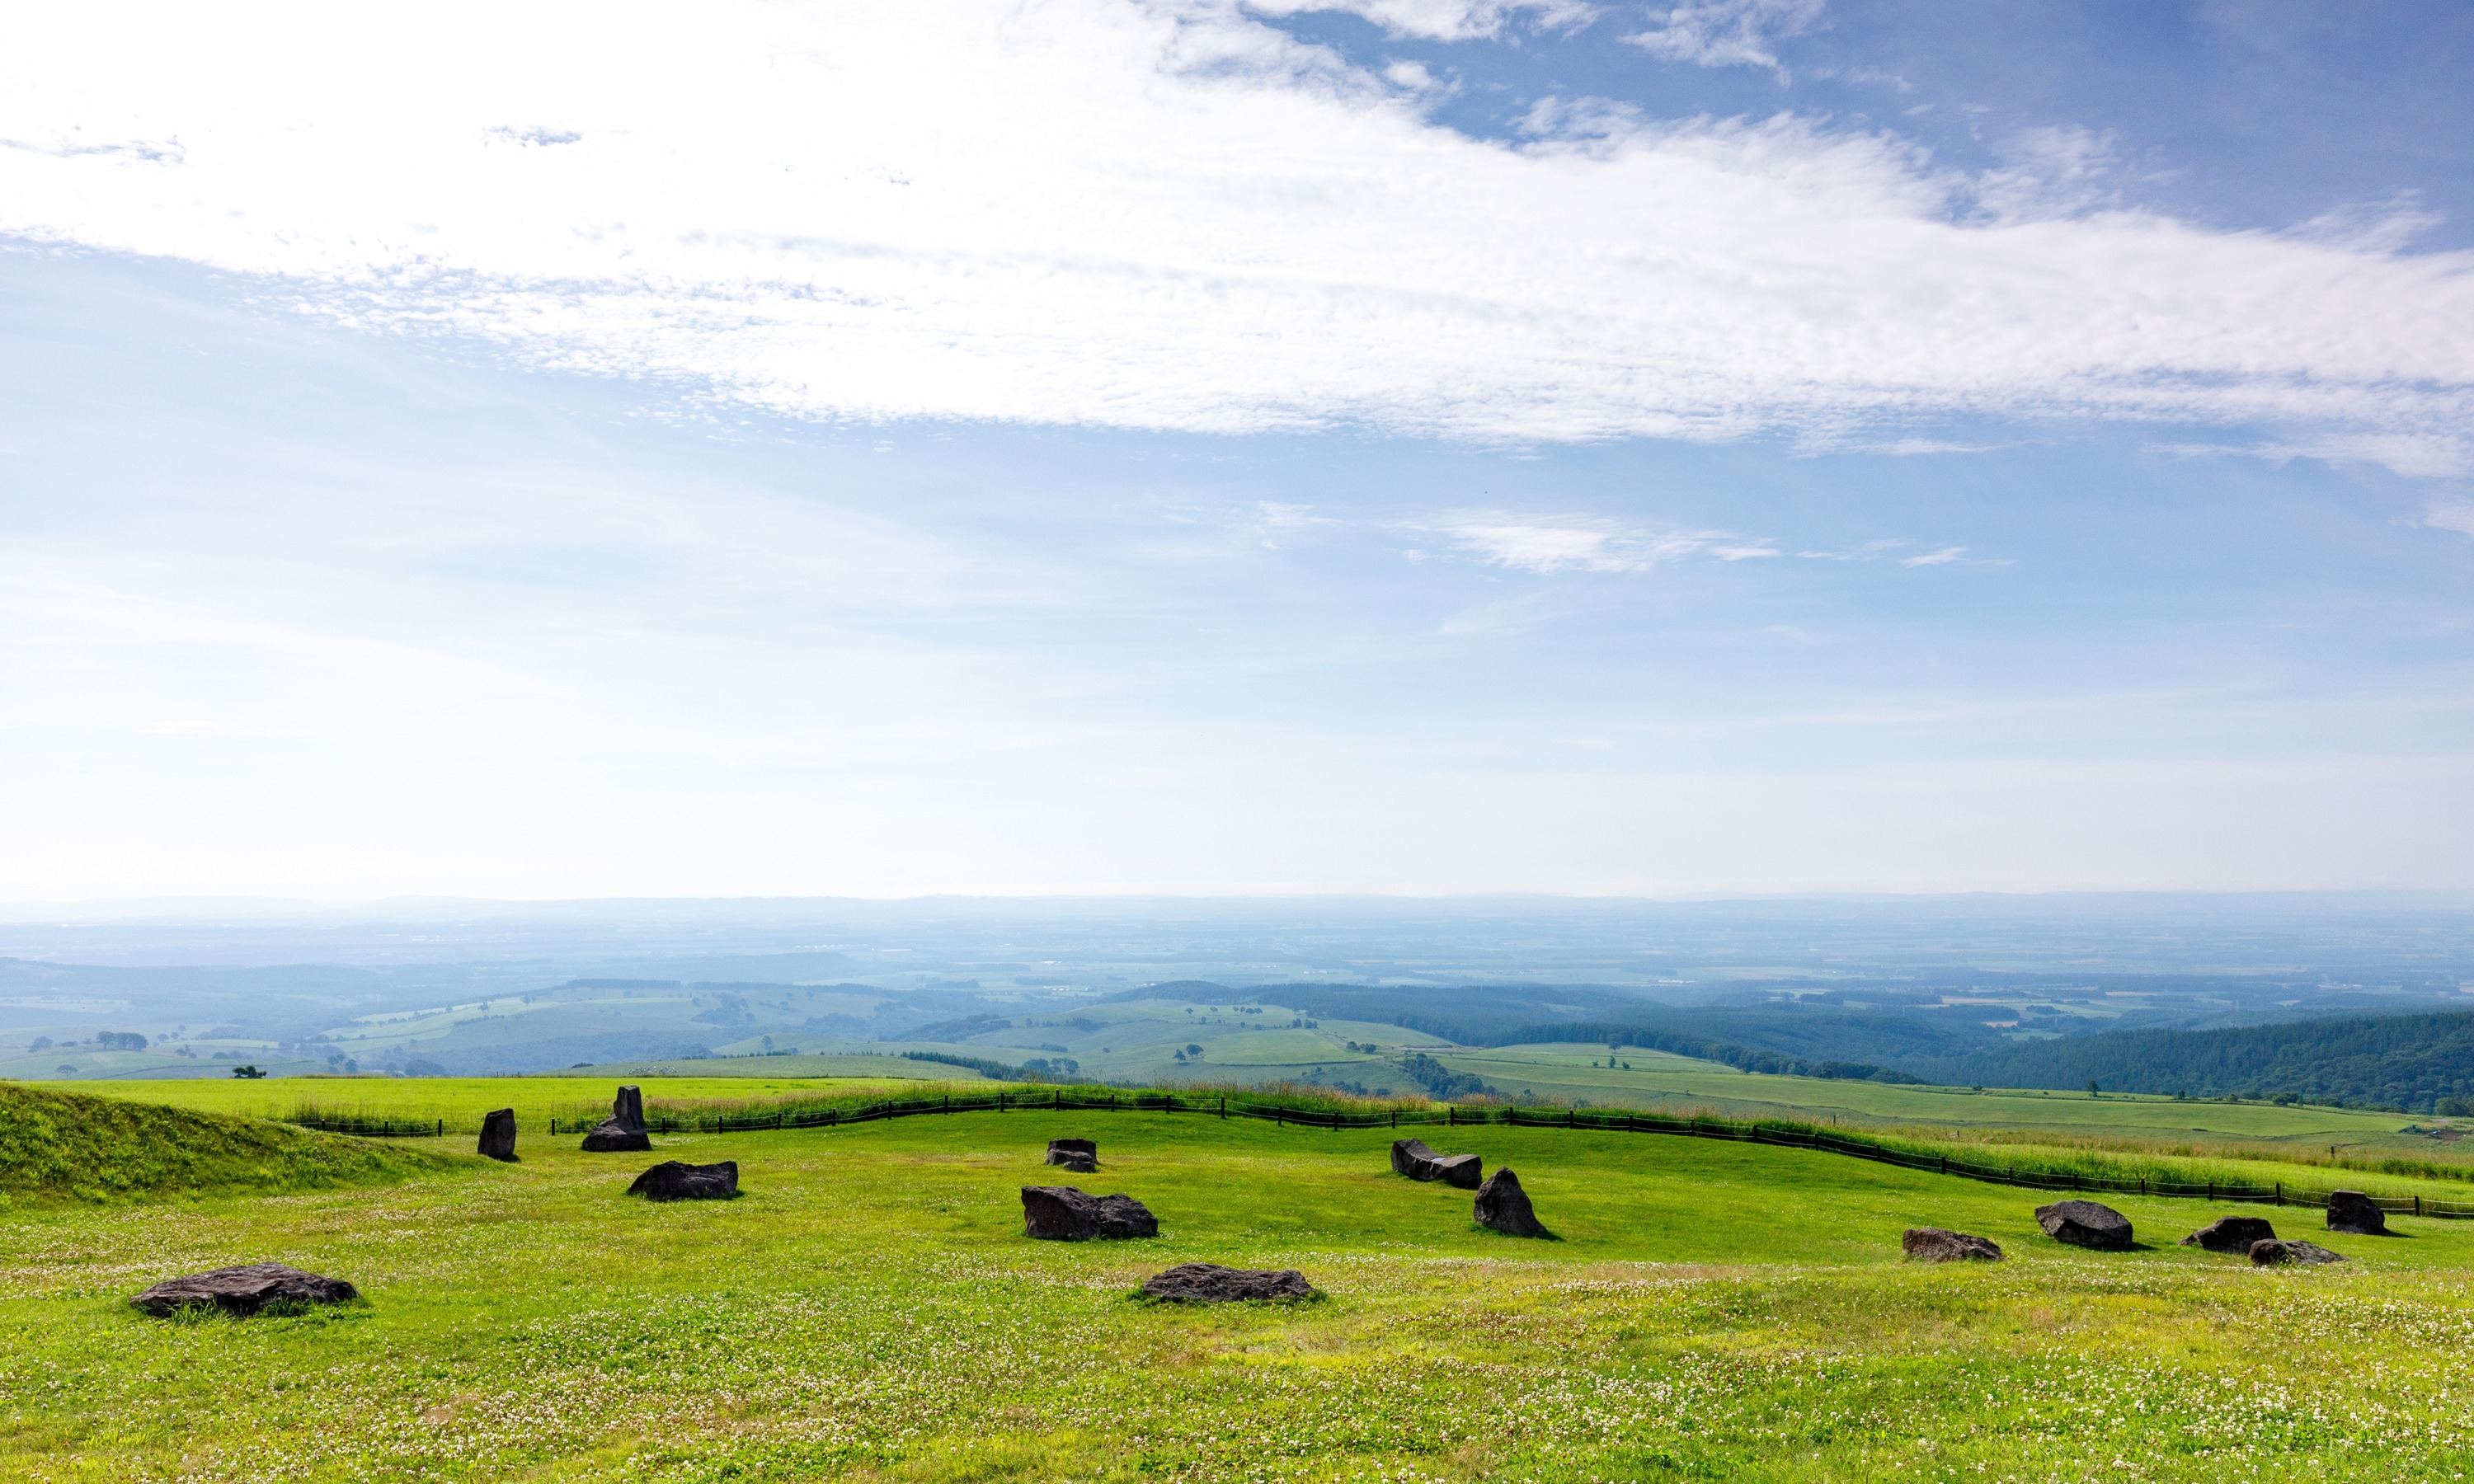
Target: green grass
<point x="59" y="1147"/>
<point x="870" y="1309"/>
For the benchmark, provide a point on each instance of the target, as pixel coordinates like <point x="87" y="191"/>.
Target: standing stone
<point x="2273" y="1254"/>
<point x="1208" y="1282"/>
<point x="245" y="1290"/>
<point x="2085" y="1224"/>
<point x="1501" y="1204"/>
<point x="2231" y="1234"/>
<point x="1079" y="1155"/>
<point x="498" y="1134"/>
<point x="1061" y="1213"/>
<point x="623" y="1131"/>
<point x="2357" y="1215"/>
<point x="1937" y="1244"/>
<point x="674" y="1180"/>
<point x="1412" y="1158"/>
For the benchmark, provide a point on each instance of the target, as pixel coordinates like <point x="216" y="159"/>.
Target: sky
<point x="1183" y="446"/>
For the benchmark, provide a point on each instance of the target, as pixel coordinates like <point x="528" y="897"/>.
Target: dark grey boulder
<point x="1412" y="1158"/>
<point x="1501" y="1204"/>
<point x="1077" y="1155"/>
<point x="1938" y="1244"/>
<point x="2232" y="1234"/>
<point x="498" y="1134"/>
<point x="2353" y="1212"/>
<point x="2085" y="1224"/>
<point x="2274" y="1254"/>
<point x="1061" y="1213"/>
<point x="245" y="1290"/>
<point x="1208" y="1282"/>
<point x="623" y="1131"/>
<point x="674" y="1180"/>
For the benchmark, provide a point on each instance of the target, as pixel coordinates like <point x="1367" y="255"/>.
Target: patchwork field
<point x="871" y="1308"/>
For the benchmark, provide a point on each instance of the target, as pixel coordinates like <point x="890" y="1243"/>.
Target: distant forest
<point x="2419" y="1064"/>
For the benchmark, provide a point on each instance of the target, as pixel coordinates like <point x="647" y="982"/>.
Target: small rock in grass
<point x="1061" y="1213"/>
<point x="2357" y="1215"/>
<point x="674" y="1180"/>
<point x="1937" y="1244"/>
<point x="1059" y="1150"/>
<point x="2232" y="1234"/>
<point x="1208" y="1282"/>
<point x="2085" y="1224"/>
<point x="2272" y="1254"/>
<point x="623" y="1131"/>
<point x="1501" y="1204"/>
<point x="245" y="1290"/>
<point x="1412" y="1158"/>
<point x="498" y="1134"/>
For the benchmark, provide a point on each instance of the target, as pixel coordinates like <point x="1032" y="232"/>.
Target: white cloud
<point x="1943" y="556"/>
<point x="1438" y="20"/>
<point x="1726" y="33"/>
<point x="2450" y="513"/>
<point x="1589" y="544"/>
<point x="1169" y="214"/>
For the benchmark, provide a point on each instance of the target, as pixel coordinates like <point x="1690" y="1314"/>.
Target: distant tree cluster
<point x="2421" y="1064"/>
<point x="1442" y="1080"/>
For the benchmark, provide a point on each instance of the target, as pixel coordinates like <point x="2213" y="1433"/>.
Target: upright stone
<point x="623" y="1131"/>
<point x="1412" y="1158"/>
<point x="2085" y="1224"/>
<point x="1938" y="1244"/>
<point x="1061" y="1213"/>
<point x="2232" y="1234"/>
<point x="1501" y="1204"/>
<point x="2353" y="1212"/>
<point x="498" y="1134"/>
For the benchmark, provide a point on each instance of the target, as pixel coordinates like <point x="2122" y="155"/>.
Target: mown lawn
<point x="871" y="1309"/>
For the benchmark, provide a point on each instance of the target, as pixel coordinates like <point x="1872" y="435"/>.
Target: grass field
<point x="462" y="1100"/>
<point x="1564" y="1072"/>
<point x="871" y="1309"/>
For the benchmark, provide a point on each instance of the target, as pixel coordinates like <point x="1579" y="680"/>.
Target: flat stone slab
<point x="2275" y="1253"/>
<point x="1939" y="1244"/>
<point x="672" y="1179"/>
<point x="2085" y="1224"/>
<point x="2356" y="1213"/>
<point x="498" y="1134"/>
<point x="1061" y="1213"/>
<point x="1501" y="1204"/>
<point x="2232" y="1234"/>
<point x="1412" y="1158"/>
<point x="1208" y="1282"/>
<point x="245" y="1290"/>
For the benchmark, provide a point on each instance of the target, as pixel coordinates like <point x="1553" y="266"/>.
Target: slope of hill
<point x="57" y="1147"/>
<point x="2412" y="1064"/>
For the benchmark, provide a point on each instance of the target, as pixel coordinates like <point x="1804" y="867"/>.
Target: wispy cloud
<point x="2449" y="512"/>
<point x="1941" y="558"/>
<point x="1173" y="215"/>
<point x="1726" y="33"/>
<point x="1440" y="20"/>
<point x="1589" y="543"/>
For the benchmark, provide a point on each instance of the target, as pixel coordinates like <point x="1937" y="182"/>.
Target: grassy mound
<point x="64" y="1147"/>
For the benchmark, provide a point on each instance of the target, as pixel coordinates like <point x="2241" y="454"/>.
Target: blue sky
<point x="1762" y="445"/>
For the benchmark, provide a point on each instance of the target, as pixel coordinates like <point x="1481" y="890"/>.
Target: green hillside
<point x="2421" y="1064"/>
<point x="58" y="1146"/>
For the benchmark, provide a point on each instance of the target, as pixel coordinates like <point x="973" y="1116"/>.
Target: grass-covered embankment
<point x="870" y="1309"/>
<point x="62" y="1147"/>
